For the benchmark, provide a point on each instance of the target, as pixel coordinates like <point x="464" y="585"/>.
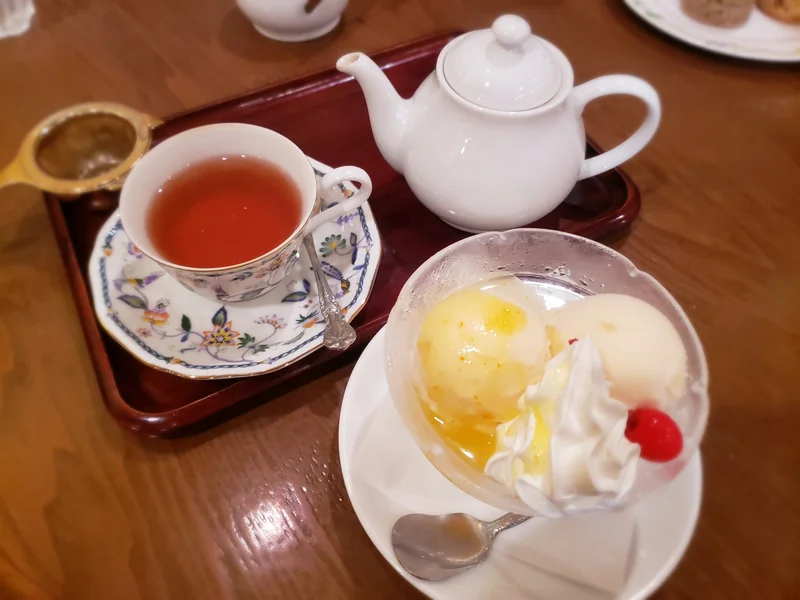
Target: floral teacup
<point x="255" y="277"/>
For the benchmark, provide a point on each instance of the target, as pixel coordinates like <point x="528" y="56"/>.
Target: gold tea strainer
<point x="82" y="148"/>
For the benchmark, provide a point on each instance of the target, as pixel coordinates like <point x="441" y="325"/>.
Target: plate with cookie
<point x="761" y="30"/>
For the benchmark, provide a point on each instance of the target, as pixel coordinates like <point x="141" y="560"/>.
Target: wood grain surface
<point x="256" y="508"/>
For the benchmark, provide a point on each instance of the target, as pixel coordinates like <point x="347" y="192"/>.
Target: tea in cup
<point x="224" y="208"/>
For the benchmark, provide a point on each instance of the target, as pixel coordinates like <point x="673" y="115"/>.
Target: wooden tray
<point x="326" y="116"/>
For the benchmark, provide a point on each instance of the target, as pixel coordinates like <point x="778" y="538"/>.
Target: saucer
<point x="172" y="329"/>
<point x="760" y="38"/>
<point x="664" y="520"/>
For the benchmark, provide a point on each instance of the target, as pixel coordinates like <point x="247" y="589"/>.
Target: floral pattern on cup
<point x="174" y="329"/>
<point x="245" y="283"/>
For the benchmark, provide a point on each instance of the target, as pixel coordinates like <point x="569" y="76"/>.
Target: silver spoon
<point x="339" y="334"/>
<point x="435" y="547"/>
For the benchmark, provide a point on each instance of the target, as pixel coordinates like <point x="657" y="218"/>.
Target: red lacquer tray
<point x="326" y="116"/>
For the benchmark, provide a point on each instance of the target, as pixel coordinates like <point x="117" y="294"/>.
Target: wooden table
<point x="256" y="508"/>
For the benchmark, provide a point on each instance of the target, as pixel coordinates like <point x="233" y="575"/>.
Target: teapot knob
<point x="511" y="30"/>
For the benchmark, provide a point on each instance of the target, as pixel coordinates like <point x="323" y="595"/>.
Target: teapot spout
<point x="388" y="112"/>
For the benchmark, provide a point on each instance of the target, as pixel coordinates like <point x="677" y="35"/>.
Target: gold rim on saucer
<point x="81" y="148"/>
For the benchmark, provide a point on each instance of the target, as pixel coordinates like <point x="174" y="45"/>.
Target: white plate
<point x="761" y="38"/>
<point x="173" y="329"/>
<point x="665" y="520"/>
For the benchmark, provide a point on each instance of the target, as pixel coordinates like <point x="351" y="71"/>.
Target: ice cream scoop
<point x="479" y="348"/>
<point x="643" y="355"/>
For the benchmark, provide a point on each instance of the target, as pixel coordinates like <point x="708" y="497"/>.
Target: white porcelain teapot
<point x="494" y="139"/>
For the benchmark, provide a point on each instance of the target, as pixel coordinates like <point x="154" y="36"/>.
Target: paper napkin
<point x="593" y="549"/>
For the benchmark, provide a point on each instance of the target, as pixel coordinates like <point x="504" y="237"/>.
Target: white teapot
<point x="494" y="139"/>
<point x="293" y="20"/>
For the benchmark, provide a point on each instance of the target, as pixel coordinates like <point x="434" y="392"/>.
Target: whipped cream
<point x="566" y="452"/>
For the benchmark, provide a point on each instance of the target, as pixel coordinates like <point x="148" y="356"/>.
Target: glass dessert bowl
<point x="543" y="374"/>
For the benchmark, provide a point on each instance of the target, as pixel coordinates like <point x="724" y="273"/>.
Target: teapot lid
<point x="503" y="68"/>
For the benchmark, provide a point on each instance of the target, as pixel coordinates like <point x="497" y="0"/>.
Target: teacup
<point x="250" y="279"/>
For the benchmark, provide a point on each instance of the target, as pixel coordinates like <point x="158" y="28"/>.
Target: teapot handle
<point x="610" y="85"/>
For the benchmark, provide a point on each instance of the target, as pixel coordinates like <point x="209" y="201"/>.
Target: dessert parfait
<point x="539" y="393"/>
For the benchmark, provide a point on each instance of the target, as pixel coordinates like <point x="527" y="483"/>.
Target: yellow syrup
<point x="474" y="366"/>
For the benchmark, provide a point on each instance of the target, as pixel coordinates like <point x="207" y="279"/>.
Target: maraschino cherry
<point x="656" y="433"/>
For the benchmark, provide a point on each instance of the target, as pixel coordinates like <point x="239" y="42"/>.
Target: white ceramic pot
<point x="293" y="20"/>
<point x="493" y="139"/>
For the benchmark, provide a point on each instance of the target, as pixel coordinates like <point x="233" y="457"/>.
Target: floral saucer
<point x="172" y="329"/>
